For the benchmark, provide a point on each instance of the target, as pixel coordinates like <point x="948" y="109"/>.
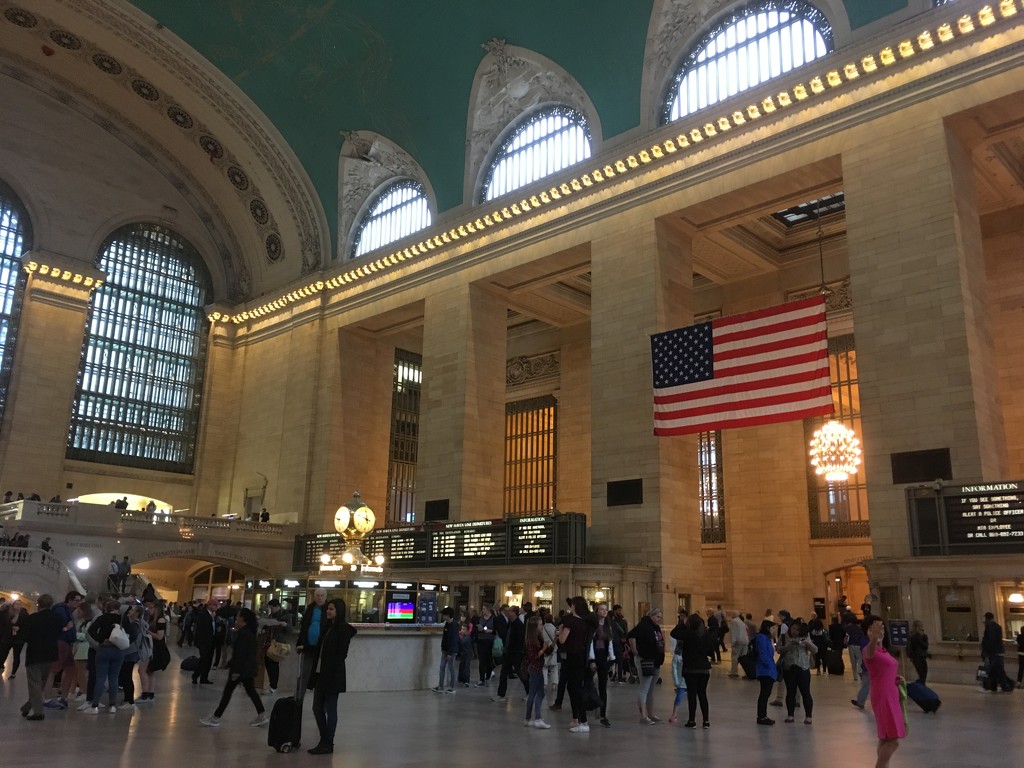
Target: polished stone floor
<point x="421" y="728"/>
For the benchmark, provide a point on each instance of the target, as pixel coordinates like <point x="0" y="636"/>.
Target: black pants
<point x="205" y="662"/>
<point x="90" y="667"/>
<point x="562" y="678"/>
<point x="510" y="667"/>
<point x="697" y="692"/>
<point x="229" y="688"/>
<point x="574" y="669"/>
<point x="1020" y="667"/>
<point x="798" y="679"/>
<point x="996" y="673"/>
<point x="921" y="667"/>
<point x="5" y="649"/>
<point x="273" y="671"/>
<point x="485" y="652"/>
<point x="767" y="683"/>
<point x="127" y="681"/>
<point x="603" y="667"/>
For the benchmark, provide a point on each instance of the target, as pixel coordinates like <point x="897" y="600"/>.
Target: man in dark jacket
<point x="42" y="630"/>
<point x="449" y="650"/>
<point x="204" y="627"/>
<point x="515" y="651"/>
<point x="307" y="644"/>
<point x="993" y="653"/>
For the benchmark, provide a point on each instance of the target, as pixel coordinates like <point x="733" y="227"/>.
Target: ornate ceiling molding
<point x="219" y="95"/>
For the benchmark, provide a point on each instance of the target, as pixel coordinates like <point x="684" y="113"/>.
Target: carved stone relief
<point x="838" y="297"/>
<point x="529" y="369"/>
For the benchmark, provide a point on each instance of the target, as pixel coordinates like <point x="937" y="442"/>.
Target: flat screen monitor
<point x="401" y="610"/>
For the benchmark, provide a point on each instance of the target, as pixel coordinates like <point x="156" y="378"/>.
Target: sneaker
<point x="580" y="728"/>
<point x="765" y="721"/>
<point x="776" y="703"/>
<point x="272" y="691"/>
<point x="34" y="717"/>
<point x="498" y="698"/>
<point x="689" y="724"/>
<point x="481" y="684"/>
<point x="706" y="725"/>
<point x="673" y="719"/>
<point x="79" y="697"/>
<point x="807" y="721"/>
<point x="556" y="706"/>
<point x="111" y="709"/>
<point x="450" y="691"/>
<point x="465" y="685"/>
<point x="538" y="723"/>
<point x="647" y="721"/>
<point x="84" y="706"/>
<point x="437" y="689"/>
<point x="605" y="722"/>
<point x="527" y="723"/>
<point x="92" y="710"/>
<point x="54" y="704"/>
<point x="788" y="720"/>
<point x="127" y="706"/>
<point x="210" y="722"/>
<point x="260" y="721"/>
<point x="655" y="719"/>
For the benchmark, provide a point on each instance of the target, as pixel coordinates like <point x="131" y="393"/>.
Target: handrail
<point x="201" y="523"/>
<point x="32" y="556"/>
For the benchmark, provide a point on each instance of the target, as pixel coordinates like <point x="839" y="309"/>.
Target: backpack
<point x="498" y="649"/>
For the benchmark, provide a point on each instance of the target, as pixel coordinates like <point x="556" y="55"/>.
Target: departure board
<point x="558" y="538"/>
<point x="986" y="516"/>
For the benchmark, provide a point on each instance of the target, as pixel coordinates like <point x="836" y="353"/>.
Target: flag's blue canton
<point x="682" y="356"/>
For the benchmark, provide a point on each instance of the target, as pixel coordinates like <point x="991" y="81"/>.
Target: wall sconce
<point x="1016" y="598"/>
<point x="599" y="595"/>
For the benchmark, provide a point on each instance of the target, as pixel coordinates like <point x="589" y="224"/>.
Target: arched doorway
<point x="848" y="581"/>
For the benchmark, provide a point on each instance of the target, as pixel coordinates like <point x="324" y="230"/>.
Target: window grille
<point x="140" y="380"/>
<point x="405" y="433"/>
<point x="397" y="212"/>
<point x="543" y="144"/>
<point x="712" y="490"/>
<point x="15" y="239"/>
<point x="531" y="456"/>
<point x="839" y="510"/>
<point x="761" y="41"/>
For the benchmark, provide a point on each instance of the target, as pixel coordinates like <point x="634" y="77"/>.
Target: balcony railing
<point x="19" y="561"/>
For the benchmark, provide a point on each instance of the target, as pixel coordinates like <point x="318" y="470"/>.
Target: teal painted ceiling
<point x="404" y="68"/>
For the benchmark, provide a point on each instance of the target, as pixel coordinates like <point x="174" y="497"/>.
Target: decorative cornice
<point x="529" y="370"/>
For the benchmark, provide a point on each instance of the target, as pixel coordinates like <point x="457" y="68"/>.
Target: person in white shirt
<point x="740" y="641"/>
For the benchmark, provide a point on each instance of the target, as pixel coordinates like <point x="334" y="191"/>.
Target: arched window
<point x="544" y="143"/>
<point x="15" y="239"/>
<point x="759" y="42"/>
<point x="401" y="209"/>
<point x="140" y="381"/>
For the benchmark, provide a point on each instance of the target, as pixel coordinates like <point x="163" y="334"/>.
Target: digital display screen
<point x="401" y="611"/>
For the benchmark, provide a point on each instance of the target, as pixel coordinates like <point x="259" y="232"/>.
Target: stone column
<point x="642" y="284"/>
<point x="42" y="387"/>
<point x="925" y="355"/>
<point x="462" y="409"/>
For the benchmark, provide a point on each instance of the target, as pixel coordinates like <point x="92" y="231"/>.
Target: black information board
<point x="991" y="515"/>
<point x="899" y="633"/>
<point x="537" y="539"/>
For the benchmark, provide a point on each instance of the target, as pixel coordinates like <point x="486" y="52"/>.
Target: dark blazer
<point x="515" y="642"/>
<point x="203" y="628"/>
<point x="334" y="643"/>
<point x="41" y="631"/>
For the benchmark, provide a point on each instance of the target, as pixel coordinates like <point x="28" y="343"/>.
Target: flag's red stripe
<point x="745" y="386"/>
<point x="758" y="314"/>
<point x="770" y="346"/>
<point x="794" y="323"/>
<point x="750" y="421"/>
<point x="770" y="365"/>
<point x="744" y="403"/>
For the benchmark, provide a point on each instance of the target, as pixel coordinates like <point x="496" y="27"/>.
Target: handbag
<point x="119" y="638"/>
<point x="277" y="651"/>
<point x="982" y="674"/>
<point x="647" y="667"/>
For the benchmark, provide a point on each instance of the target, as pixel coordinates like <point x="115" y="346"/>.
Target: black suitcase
<point x="190" y="664"/>
<point x="834" y="663"/>
<point x="923" y="696"/>
<point x="748" y="662"/>
<point x="284" y="733"/>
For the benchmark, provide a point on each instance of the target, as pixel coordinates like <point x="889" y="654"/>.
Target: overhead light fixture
<point x="835" y="452"/>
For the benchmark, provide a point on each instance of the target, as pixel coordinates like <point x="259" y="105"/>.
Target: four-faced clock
<point x="363" y="519"/>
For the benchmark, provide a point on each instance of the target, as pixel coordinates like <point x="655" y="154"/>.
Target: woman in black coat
<point x="328" y="679"/>
<point x="241" y="671"/>
<point x="696" y="642"/>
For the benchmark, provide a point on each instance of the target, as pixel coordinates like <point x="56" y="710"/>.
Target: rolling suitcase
<point x="834" y="663"/>
<point x="285" y="730"/>
<point x="923" y="696"/>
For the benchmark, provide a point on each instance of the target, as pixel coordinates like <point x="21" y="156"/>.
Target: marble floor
<point x="421" y="728"/>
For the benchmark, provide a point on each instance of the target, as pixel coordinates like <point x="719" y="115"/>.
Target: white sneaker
<point x="126" y="705"/>
<point x="210" y="722"/>
<point x="260" y="721"/>
<point x="527" y="723"/>
<point x="79" y="697"/>
<point x="84" y="706"/>
<point x="541" y="724"/>
<point x="581" y="728"/>
<point x="111" y="709"/>
<point x="272" y="691"/>
<point x="92" y="710"/>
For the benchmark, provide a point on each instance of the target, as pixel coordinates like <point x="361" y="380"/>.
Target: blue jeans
<point x="325" y="712"/>
<point x="535" y="698"/>
<point x="108" y="670"/>
<point x="447" y="663"/>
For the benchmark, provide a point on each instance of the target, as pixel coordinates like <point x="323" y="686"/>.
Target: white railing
<point x="35" y="561"/>
<point x="183" y="522"/>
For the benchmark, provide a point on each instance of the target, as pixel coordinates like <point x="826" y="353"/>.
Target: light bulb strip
<point x="62" y="275"/>
<point x="835" y="77"/>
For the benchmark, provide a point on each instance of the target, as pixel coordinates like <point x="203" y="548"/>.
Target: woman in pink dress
<point x="885" y="693"/>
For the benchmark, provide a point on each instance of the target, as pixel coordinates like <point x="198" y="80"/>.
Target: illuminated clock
<point x="363" y="519"/>
<point x="341" y="519"/>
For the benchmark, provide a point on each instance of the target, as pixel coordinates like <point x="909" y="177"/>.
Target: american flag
<point x="761" y="367"/>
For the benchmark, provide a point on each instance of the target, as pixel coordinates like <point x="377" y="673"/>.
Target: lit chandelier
<point x="835" y="452"/>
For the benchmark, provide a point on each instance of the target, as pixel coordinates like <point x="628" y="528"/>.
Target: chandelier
<point x="835" y="452"/>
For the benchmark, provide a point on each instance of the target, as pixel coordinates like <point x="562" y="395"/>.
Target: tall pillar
<point x="642" y="276"/>
<point x="574" y="422"/>
<point x="462" y="407"/>
<point x="925" y="355"/>
<point x="42" y="387"/>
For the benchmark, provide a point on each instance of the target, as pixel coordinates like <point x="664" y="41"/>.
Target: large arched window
<point x="399" y="210"/>
<point x="756" y="43"/>
<point x="140" y="381"/>
<point x="15" y="239"/>
<point x="544" y="143"/>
